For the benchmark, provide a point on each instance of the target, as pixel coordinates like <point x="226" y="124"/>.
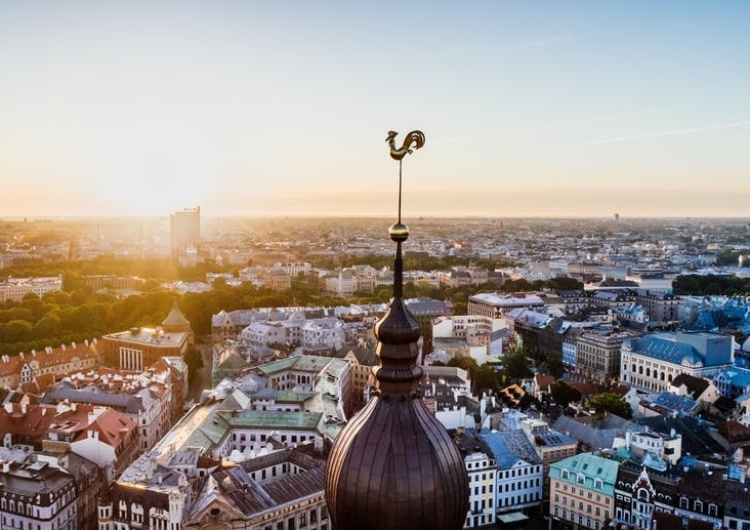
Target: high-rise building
<point x="185" y="229"/>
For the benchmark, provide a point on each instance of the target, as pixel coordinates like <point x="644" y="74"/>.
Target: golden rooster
<point x="414" y="138"/>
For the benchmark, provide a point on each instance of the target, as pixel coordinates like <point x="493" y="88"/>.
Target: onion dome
<point x="394" y="466"/>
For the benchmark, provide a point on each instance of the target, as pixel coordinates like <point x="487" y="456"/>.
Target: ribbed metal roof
<point x="394" y="466"/>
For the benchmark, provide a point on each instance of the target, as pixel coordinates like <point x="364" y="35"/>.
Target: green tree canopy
<point x="516" y="366"/>
<point x="463" y="361"/>
<point x="564" y="394"/>
<point x="612" y="403"/>
<point x="553" y="366"/>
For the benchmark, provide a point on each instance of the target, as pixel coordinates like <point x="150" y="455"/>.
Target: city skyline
<point x="580" y="109"/>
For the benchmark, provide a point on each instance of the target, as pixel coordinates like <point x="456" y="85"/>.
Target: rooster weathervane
<point x="413" y="140"/>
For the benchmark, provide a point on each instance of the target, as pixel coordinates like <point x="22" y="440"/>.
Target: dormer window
<point x="580" y="478"/>
<point x="565" y="473"/>
<point x="598" y="483"/>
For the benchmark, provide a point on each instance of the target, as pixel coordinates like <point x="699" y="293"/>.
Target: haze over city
<point x="262" y="108"/>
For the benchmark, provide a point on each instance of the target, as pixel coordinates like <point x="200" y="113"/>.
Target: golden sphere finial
<point x="398" y="232"/>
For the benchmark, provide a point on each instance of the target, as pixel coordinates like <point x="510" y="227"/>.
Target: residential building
<point x="144" y="397"/>
<point x="472" y="336"/>
<point x="661" y="306"/>
<point x="570" y="347"/>
<point x="733" y="382"/>
<point x="110" y="281"/>
<point x="425" y="311"/>
<point x="649" y="280"/>
<point x="598" y="354"/>
<point x="291" y="402"/>
<point x="667" y="447"/>
<point x="278" y="279"/>
<point x="36" y="370"/>
<point x="582" y="490"/>
<point x="14" y="289"/>
<point x="99" y="434"/>
<point x="481" y="468"/>
<point x="228" y="325"/>
<point x="697" y="388"/>
<point x="36" y="496"/>
<point x="641" y="495"/>
<point x="495" y="305"/>
<point x="343" y="283"/>
<point x="520" y="479"/>
<point x="282" y="489"/>
<point x="737" y="503"/>
<point x="550" y="446"/>
<point x="90" y="482"/>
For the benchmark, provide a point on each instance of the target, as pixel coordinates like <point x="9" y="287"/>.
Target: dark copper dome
<point x="394" y="466"/>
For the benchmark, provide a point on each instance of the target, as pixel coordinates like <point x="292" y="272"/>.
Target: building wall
<point x="519" y="487"/>
<point x="185" y="230"/>
<point x="482" y="471"/>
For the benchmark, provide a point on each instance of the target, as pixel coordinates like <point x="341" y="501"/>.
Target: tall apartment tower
<point x="185" y="228"/>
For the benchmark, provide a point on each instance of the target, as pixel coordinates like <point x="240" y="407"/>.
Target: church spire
<point x="394" y="466"/>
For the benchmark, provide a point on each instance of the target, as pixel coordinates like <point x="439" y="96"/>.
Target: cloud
<point x="659" y="134"/>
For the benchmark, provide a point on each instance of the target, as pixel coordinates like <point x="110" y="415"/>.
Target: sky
<point x="256" y="108"/>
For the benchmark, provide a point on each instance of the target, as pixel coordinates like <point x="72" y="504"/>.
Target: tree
<point x="564" y="394"/>
<point x="484" y="378"/>
<point x="564" y="283"/>
<point x="463" y="361"/>
<point x="553" y="366"/>
<point x="194" y="361"/>
<point x="612" y="403"/>
<point x="15" y="331"/>
<point x="516" y="366"/>
<point x="48" y="327"/>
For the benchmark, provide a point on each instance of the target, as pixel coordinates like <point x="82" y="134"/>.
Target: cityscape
<point x="607" y="358"/>
<point x="393" y="266"/>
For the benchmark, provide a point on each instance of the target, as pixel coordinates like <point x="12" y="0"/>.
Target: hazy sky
<point x="530" y="108"/>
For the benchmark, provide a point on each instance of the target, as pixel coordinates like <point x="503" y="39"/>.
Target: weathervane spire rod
<point x="399" y="232"/>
